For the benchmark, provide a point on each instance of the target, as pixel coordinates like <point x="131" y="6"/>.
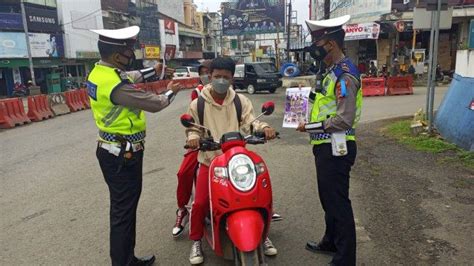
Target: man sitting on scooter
<point x="220" y="117"/>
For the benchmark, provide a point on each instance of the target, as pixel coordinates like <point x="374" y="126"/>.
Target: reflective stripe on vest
<point x="325" y="106"/>
<point x="111" y="118"/>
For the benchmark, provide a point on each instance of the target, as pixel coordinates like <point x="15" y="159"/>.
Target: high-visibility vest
<point x="109" y="117"/>
<point x="325" y="104"/>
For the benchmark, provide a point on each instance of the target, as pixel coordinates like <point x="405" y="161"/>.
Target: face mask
<point x="130" y="60"/>
<point x="204" y="79"/>
<point x="220" y="86"/>
<point x="318" y="52"/>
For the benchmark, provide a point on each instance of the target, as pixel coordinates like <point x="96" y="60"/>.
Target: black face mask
<point x="130" y="60"/>
<point x="318" y="52"/>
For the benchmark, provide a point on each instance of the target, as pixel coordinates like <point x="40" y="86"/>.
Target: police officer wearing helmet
<point x="118" y="110"/>
<point x="334" y="117"/>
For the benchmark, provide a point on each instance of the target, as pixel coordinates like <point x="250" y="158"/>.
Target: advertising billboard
<point x="360" y="10"/>
<point x="11" y="21"/>
<point x="361" y="31"/>
<point x="42" y="19"/>
<point x="46" y="45"/>
<point x="253" y="17"/>
<point x="13" y="45"/>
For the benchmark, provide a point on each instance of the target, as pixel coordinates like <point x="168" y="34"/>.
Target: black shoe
<point x="144" y="261"/>
<point x="320" y="247"/>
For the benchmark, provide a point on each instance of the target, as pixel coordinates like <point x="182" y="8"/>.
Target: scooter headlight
<point x="242" y="172"/>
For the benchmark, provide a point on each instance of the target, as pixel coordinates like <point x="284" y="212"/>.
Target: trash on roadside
<point x="418" y="124"/>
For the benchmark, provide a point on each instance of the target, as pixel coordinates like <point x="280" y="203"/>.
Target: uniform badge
<point x="92" y="90"/>
<point x="122" y="74"/>
<point x="345" y="67"/>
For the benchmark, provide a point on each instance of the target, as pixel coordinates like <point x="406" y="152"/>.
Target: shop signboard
<point x="361" y="31"/>
<point x="87" y="54"/>
<point x="152" y="52"/>
<point x="42" y="19"/>
<point x="361" y="11"/>
<point x="253" y="17"/>
<point x="11" y="21"/>
<point x="471" y="34"/>
<point x="170" y="27"/>
<point x="13" y="45"/>
<point x="170" y="52"/>
<point x="46" y="45"/>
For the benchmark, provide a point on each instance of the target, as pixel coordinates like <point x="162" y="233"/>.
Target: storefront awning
<point x="189" y="32"/>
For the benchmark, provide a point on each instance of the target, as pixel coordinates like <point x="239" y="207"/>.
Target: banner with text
<point x="361" y="31"/>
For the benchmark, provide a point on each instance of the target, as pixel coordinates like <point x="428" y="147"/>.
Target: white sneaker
<point x="268" y="248"/>
<point x="196" y="256"/>
<point x="182" y="218"/>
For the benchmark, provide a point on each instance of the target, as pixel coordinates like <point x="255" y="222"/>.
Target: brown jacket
<point x="221" y="119"/>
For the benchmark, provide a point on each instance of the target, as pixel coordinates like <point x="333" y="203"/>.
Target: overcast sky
<point x="302" y="6"/>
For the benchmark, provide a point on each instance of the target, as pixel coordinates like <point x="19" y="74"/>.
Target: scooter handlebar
<point x="206" y="145"/>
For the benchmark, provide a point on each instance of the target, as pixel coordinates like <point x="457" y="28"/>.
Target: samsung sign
<point x="42" y="19"/>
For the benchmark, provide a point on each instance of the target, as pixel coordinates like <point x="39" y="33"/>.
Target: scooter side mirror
<point x="187" y="120"/>
<point x="268" y="108"/>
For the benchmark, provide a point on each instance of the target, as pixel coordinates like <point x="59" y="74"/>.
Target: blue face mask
<point x="220" y="85"/>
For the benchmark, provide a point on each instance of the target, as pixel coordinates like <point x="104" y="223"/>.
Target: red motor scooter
<point x="240" y="195"/>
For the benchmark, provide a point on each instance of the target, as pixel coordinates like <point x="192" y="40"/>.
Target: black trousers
<point x="333" y="187"/>
<point x="125" y="188"/>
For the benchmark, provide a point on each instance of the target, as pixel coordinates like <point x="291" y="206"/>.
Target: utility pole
<point x="433" y="68"/>
<point x="28" y="47"/>
<point x="288" y="32"/>
<point x="327" y="9"/>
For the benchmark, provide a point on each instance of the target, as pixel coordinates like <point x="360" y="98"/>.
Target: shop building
<point x="45" y="40"/>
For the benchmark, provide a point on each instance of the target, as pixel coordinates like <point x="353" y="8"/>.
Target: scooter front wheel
<point x="250" y="258"/>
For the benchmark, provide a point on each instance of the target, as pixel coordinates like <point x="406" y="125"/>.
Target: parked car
<point x="257" y="76"/>
<point x="186" y="72"/>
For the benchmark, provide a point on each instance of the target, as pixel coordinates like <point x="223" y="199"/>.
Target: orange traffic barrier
<point x="39" y="108"/>
<point x="160" y="86"/>
<point x="73" y="101"/>
<point x="84" y="96"/>
<point x="15" y="112"/>
<point x="5" y="120"/>
<point x="373" y="87"/>
<point x="400" y="85"/>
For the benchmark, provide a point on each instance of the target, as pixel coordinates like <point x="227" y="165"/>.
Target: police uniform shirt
<point x="127" y="95"/>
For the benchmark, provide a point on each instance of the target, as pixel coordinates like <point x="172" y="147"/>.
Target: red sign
<point x="170" y="52"/>
<point x="169" y="27"/>
<point x="400" y="26"/>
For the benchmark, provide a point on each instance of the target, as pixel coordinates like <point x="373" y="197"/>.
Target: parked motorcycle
<point x="240" y="194"/>
<point x="20" y="90"/>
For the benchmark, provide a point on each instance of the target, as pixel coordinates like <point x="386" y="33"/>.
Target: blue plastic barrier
<point x="455" y="119"/>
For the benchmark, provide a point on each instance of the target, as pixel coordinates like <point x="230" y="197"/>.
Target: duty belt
<point x="322" y="136"/>
<point x="137" y="137"/>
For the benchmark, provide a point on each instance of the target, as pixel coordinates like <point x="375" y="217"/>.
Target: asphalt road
<point x="54" y="202"/>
